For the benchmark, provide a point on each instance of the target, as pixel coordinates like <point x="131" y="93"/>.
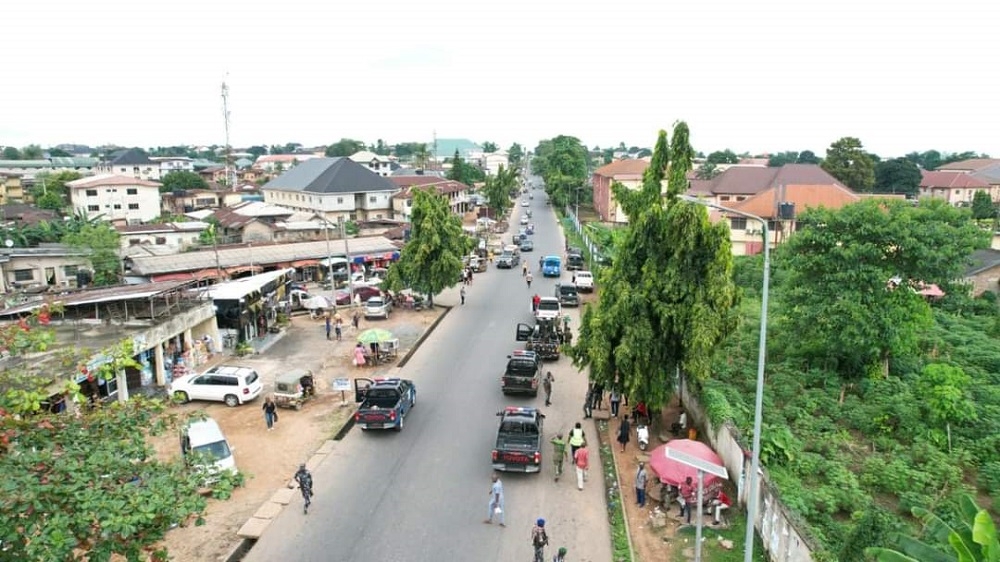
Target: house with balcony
<point x="114" y="198"/>
<point x="377" y="163"/>
<point x="956" y="187"/>
<point x="131" y="162"/>
<point x="626" y="172"/>
<point x="334" y="188"/>
<point x="457" y="194"/>
<point x="173" y="164"/>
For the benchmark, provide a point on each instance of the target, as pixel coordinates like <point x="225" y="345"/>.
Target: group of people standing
<point x="335" y="324"/>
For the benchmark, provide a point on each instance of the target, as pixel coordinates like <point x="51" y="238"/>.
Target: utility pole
<point x="347" y="254"/>
<point x="215" y="246"/>
<point x="250" y="247"/>
<point x="230" y="173"/>
<point x="329" y="255"/>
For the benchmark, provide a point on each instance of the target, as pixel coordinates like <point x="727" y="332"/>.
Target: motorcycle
<point x="642" y="434"/>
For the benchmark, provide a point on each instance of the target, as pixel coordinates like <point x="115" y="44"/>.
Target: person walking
<point x="624" y="432"/>
<point x="598" y="396"/>
<point x="270" y="412"/>
<point x="539" y="539"/>
<point x="528" y="279"/>
<point x="524" y="269"/>
<point x="558" y="454"/>
<point x="616" y="400"/>
<point x="496" y="506"/>
<point x="329" y="325"/>
<point x="576" y="438"/>
<point x="588" y="411"/>
<point x="547" y="387"/>
<point x="462" y="293"/>
<point x="359" y="355"/>
<point x="541" y="260"/>
<point x="640" y="485"/>
<point x="338" y="329"/>
<point x="356" y="320"/>
<point x="305" y="481"/>
<point x="581" y="459"/>
<point x="561" y="555"/>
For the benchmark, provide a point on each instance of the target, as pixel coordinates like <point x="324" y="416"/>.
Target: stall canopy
<point x="673" y="472"/>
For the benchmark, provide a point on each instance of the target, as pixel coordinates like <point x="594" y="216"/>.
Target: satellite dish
<point x="9" y="243"/>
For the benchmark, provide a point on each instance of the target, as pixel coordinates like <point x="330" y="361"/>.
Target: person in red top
<point x="535" y="300"/>
<point x="687" y="498"/>
<point x="720" y="502"/>
<point x="581" y="458"/>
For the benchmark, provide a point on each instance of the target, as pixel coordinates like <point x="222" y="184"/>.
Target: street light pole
<point x="329" y="255"/>
<point x="754" y="496"/>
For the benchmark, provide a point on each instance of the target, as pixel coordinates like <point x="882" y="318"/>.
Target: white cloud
<point x="757" y="76"/>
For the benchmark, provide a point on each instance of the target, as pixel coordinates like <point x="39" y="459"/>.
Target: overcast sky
<point x="753" y="76"/>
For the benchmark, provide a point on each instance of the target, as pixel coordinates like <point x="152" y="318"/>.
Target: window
<point x="93" y="208"/>
<point x="70" y="270"/>
<point x="340" y="200"/>
<point x="161" y="240"/>
<point x="91" y="193"/>
<point x="134" y="241"/>
<point x="132" y="191"/>
<point x="117" y="206"/>
<point x="133" y="206"/>
<point x="372" y="199"/>
<point x="738" y="223"/>
<point x="24" y="275"/>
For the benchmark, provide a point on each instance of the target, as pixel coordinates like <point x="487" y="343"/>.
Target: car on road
<point x="524" y="220"/>
<point x="222" y="383"/>
<point x="527" y="245"/>
<point x="524" y="203"/>
<point x="567" y="294"/>
<point x="574" y="262"/>
<point x="530" y="229"/>
<point x="508" y="259"/>
<point x="584" y="281"/>
<point x="548" y="309"/>
<point x="378" y="307"/>
<point x="385" y="403"/>
<point x="523" y="373"/>
<point x="519" y="440"/>
<point x="551" y="266"/>
<point x="364" y="291"/>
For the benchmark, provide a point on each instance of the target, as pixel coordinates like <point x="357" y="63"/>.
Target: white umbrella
<point x="318" y="301"/>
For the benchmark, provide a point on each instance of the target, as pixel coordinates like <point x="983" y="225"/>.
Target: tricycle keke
<point x="293" y="388"/>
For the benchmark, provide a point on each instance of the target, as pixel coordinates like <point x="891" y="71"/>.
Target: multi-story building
<point x="457" y="194"/>
<point x="626" y="172"/>
<point x="334" y="188"/>
<point x="377" y="163"/>
<point x="131" y="162"/>
<point x="116" y="198"/>
<point x="173" y="164"/>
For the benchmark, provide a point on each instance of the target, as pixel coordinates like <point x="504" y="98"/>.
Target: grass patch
<point x="620" y="548"/>
<point x="711" y="551"/>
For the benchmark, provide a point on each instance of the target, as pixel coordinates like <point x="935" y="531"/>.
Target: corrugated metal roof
<point x="107" y="294"/>
<point x="259" y="255"/>
<point x="242" y="287"/>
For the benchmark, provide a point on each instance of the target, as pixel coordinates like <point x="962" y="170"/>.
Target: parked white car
<point x="378" y="307"/>
<point x="584" y="281"/>
<point x="548" y="309"/>
<point x="204" y="440"/>
<point x="223" y="383"/>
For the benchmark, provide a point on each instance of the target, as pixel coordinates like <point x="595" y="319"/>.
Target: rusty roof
<point x="747" y="180"/>
<point x="622" y="167"/>
<point x="765" y="203"/>
<point x="951" y="180"/>
<point x="970" y="165"/>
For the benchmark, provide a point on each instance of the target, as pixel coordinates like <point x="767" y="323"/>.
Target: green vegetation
<point x="462" y="171"/>
<point x="562" y="164"/>
<point x="499" y="188"/>
<point x="616" y="510"/>
<point x="182" y="180"/>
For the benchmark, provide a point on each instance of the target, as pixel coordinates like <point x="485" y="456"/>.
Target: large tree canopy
<point x="669" y="297"/>
<point x="182" y="180"/>
<point x="562" y="164"/>
<point x="898" y="175"/>
<point x="345" y="147"/>
<point x="853" y="274"/>
<point x="847" y="161"/>
<point x="432" y="258"/>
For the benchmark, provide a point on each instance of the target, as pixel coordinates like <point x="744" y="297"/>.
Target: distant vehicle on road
<point x="567" y="294"/>
<point x="519" y="440"/>
<point x="552" y="266"/>
<point x="548" y="309"/>
<point x="523" y="373"/>
<point x="508" y="259"/>
<point x="524" y="203"/>
<point x="574" y="262"/>
<point x="385" y="403"/>
<point x="527" y="245"/>
<point x="584" y="281"/>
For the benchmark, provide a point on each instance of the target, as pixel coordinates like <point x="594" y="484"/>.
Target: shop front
<point x="247" y="309"/>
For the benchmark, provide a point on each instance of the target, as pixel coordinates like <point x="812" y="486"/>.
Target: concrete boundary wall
<point x="782" y="541"/>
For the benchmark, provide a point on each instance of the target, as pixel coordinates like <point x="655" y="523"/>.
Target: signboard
<point x="341" y="384"/>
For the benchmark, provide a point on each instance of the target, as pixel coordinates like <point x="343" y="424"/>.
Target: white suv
<point x="224" y="383"/>
<point x="548" y="309"/>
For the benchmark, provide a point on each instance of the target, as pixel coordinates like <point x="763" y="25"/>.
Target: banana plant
<point x="973" y="538"/>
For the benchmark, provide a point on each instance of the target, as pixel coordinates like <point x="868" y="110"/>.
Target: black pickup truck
<point x="523" y="373"/>
<point x="385" y="403"/>
<point x="519" y="440"/>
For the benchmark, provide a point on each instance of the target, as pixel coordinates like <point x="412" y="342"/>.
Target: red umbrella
<point x="673" y="472"/>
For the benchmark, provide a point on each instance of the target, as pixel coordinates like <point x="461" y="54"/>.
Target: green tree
<point x="102" y="242"/>
<point x="898" y="175"/>
<point x="257" y="150"/>
<point x="782" y="158"/>
<point x="723" y="157"/>
<point x="970" y="535"/>
<point x="182" y="180"/>
<point x="982" y="206"/>
<point x="515" y="156"/>
<point x="11" y="153"/>
<point x="562" y="164"/>
<point x="849" y="278"/>
<point x="847" y="161"/>
<point x="51" y="188"/>
<point x="66" y="494"/>
<point x="58" y="153"/>
<point x="432" y="259"/>
<point x="668" y="297"/>
<point x="489" y="147"/>
<point x="422" y="156"/>
<point x="808" y="157"/>
<point x="381" y="148"/>
<point x="944" y="390"/>
<point x="464" y="172"/>
<point x="344" y="147"/>
<point x="707" y="171"/>
<point x="498" y="189"/>
<point x="32" y="152"/>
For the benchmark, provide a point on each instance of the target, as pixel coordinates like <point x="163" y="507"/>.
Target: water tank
<point x="786" y="211"/>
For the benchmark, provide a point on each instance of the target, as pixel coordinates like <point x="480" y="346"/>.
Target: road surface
<point x="421" y="495"/>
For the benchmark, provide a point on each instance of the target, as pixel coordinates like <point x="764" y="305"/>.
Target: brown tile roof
<point x="740" y="180"/>
<point x="407" y="181"/>
<point x="972" y="164"/>
<point x="622" y="167"/>
<point x="765" y="203"/>
<point x="111" y="179"/>
<point x="951" y="180"/>
<point x="443" y="187"/>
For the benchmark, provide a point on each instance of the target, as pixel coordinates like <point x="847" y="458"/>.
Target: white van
<point x="205" y="438"/>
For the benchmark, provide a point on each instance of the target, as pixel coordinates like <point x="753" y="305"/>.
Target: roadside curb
<point x="257" y="525"/>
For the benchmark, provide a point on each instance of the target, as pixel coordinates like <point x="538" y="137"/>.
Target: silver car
<point x="378" y="307"/>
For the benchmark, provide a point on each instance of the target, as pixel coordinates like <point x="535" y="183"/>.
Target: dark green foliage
<point x="344" y="147"/>
<point x="875" y="527"/>
<point x="847" y="161"/>
<point x="182" y="180"/>
<point x="982" y="206"/>
<point x="462" y="171"/>
<point x="562" y="164"/>
<point x="898" y="175"/>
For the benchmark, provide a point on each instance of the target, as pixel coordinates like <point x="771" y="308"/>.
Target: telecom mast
<point x="435" y="161"/>
<point x="230" y="173"/>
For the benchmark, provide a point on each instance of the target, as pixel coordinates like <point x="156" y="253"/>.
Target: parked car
<point x="584" y="281"/>
<point x="204" y="446"/>
<point x="519" y="440"/>
<point x="222" y="383"/>
<point x="378" y="307"/>
<point x="567" y="294"/>
<point x="548" y="309"/>
<point x="524" y="203"/>
<point x="574" y="262"/>
<point x="524" y="220"/>
<point x="364" y="291"/>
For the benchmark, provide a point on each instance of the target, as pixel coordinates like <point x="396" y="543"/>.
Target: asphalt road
<point x="421" y="495"/>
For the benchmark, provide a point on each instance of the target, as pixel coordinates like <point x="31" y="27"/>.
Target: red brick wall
<point x="602" y="197"/>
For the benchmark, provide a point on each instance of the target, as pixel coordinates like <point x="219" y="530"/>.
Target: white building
<point x="171" y="237"/>
<point x="333" y="188"/>
<point x="173" y="164"/>
<point x="132" y="162"/>
<point x="280" y="162"/>
<point x="113" y="197"/>
<point x="378" y="164"/>
<point x="490" y="162"/>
